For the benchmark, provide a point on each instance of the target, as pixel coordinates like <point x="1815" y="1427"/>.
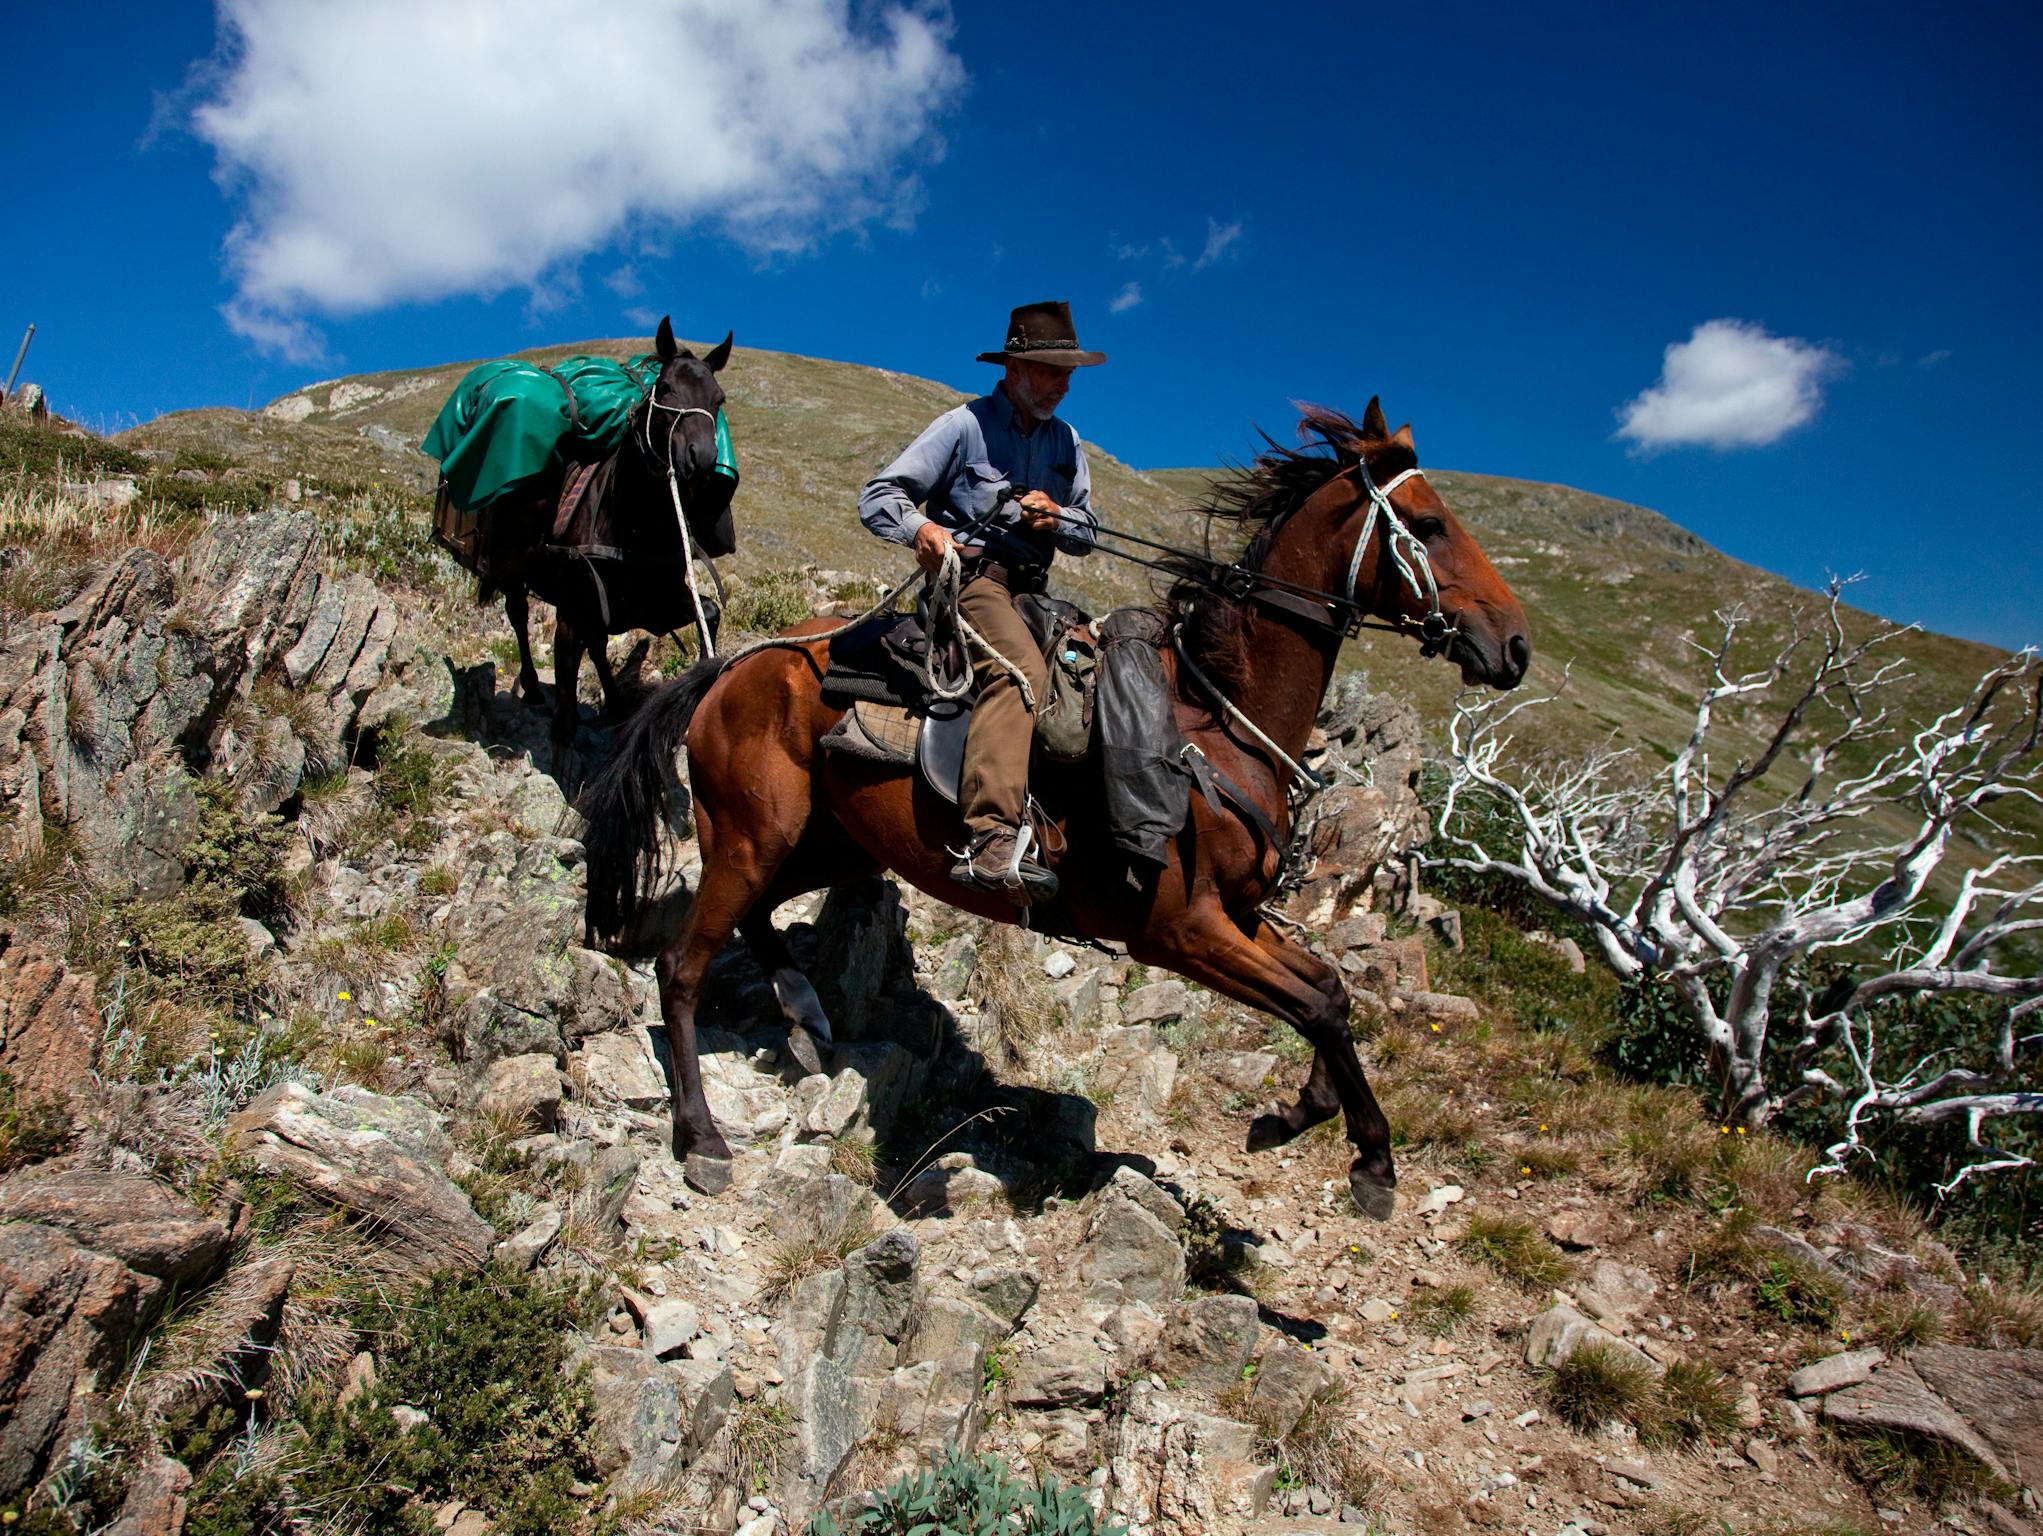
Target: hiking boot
<point x="998" y="861"/>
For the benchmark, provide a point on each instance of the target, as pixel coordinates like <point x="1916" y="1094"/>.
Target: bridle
<point x="1341" y="613"/>
<point x="681" y="412"/>
<point x="653" y="403"/>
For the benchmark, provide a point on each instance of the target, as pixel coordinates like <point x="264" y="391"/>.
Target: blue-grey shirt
<point x="955" y="471"/>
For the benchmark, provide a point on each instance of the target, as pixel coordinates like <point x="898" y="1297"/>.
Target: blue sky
<point x="1497" y="217"/>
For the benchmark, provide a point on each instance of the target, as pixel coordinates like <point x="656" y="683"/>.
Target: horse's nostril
<point x="1520" y="651"/>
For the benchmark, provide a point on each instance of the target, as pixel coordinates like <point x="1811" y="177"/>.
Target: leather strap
<point x="574" y="415"/>
<point x="1214" y="782"/>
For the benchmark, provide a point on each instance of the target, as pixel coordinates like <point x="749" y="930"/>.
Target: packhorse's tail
<point x="639" y="793"/>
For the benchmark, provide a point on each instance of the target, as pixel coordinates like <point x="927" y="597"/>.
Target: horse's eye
<point x="1428" y="528"/>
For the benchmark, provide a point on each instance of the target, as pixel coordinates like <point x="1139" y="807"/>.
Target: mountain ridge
<point x="1616" y="591"/>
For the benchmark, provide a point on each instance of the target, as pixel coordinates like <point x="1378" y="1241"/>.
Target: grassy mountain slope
<point x="1617" y="595"/>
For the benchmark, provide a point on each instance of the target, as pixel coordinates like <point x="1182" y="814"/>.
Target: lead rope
<point x="688" y="562"/>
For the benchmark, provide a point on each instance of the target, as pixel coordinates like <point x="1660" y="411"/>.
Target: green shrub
<point x="1798" y="1293"/>
<point x="47" y="453"/>
<point x="508" y="1431"/>
<point x="240" y="854"/>
<point x="963" y="1494"/>
<point x="1211" y="1261"/>
<point x="767" y="604"/>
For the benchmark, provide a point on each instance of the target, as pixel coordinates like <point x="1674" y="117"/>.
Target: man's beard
<point x="1025" y="400"/>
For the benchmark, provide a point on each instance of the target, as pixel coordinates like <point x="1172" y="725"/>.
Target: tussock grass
<point x="1901" y="1322"/>
<point x="1896" y="1463"/>
<point x="756" y="1441"/>
<point x="1440" y="1311"/>
<point x="1546" y="1160"/>
<point x="2003" y="1316"/>
<point x="855" y="1157"/>
<point x="1596" y="1385"/>
<point x="1515" y="1250"/>
<point x="1324" y="1448"/>
<point x="1672" y="1152"/>
<point x="1424" y="1117"/>
<point x="789" y="1263"/>
<point x="1694" y="1402"/>
<point x="1014" y="1002"/>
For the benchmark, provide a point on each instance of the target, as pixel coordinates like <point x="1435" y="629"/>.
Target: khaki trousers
<point x="993" y="791"/>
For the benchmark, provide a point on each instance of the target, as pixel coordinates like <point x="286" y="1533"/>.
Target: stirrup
<point x="1022" y="882"/>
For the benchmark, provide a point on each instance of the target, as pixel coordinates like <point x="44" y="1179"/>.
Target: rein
<point x="1343" y="614"/>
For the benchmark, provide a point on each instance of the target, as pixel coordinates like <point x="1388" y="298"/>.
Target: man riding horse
<point x="1010" y="440"/>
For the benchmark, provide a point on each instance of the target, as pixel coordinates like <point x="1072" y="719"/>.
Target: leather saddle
<point x="880" y="675"/>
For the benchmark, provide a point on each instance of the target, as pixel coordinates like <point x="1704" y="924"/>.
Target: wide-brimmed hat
<point x="1043" y="333"/>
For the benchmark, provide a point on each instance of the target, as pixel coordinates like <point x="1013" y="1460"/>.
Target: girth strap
<point x="1214" y="782"/>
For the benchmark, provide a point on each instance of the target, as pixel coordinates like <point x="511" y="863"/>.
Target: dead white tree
<point x="1714" y="881"/>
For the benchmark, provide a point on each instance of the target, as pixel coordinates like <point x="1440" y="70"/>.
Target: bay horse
<point x="1342" y="528"/>
<point x="625" y="506"/>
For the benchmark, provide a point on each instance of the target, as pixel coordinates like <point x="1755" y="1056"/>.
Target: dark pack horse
<point x="613" y="561"/>
<point x="1344" y="532"/>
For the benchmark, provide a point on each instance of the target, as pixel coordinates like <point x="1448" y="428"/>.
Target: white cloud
<point x="1220" y="239"/>
<point x="1129" y="296"/>
<point x="1730" y="385"/>
<point x="383" y="150"/>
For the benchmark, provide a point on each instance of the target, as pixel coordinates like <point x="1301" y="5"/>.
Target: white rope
<point x="688" y="562"/>
<point x="986" y="648"/>
<point x="1235" y="713"/>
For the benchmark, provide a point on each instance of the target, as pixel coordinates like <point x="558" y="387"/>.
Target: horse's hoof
<point x="1267" y="1131"/>
<point x="1374" y="1195"/>
<point x="706" y="1174"/>
<point x="801" y="1045"/>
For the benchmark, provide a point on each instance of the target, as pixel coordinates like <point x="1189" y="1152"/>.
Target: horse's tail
<point x="636" y="796"/>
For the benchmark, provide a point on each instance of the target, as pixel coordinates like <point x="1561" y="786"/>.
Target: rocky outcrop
<point x="135" y="1219"/>
<point x="1999" y="1392"/>
<point x="1131" y="1249"/>
<point x="49" y="1025"/>
<point x="1356" y="835"/>
<point x="86" y="1259"/>
<point x="157" y="667"/>
<point x="362" y="1156"/>
<point x="1183" y="1472"/>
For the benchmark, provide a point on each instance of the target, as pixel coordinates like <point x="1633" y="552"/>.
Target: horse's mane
<point x="1254" y="499"/>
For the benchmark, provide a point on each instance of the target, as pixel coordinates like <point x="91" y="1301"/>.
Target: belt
<point x="1014" y="577"/>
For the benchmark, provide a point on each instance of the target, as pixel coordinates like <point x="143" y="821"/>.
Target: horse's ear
<point x="1403" y="437"/>
<point x="719" y="354"/>
<point x="664" y="344"/>
<point x="1373" y="423"/>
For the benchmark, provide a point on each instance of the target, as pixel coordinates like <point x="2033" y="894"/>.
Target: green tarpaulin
<point x="508" y="421"/>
